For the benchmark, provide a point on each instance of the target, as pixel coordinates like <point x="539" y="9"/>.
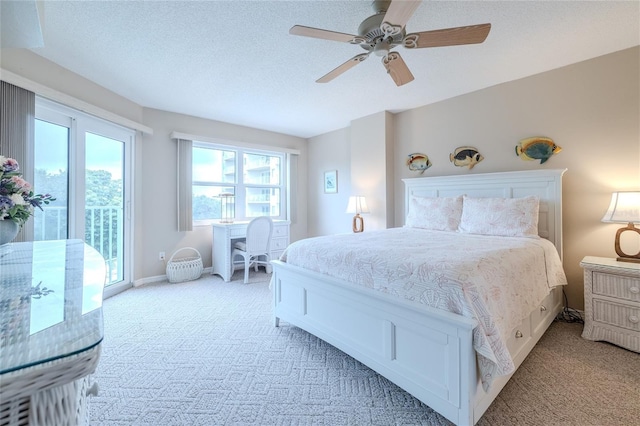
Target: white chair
<point x="256" y="246"/>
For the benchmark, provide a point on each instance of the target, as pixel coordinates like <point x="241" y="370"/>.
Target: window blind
<point x="17" y="129"/>
<point x="185" y="206"/>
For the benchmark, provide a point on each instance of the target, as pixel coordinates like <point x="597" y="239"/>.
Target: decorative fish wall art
<point x="537" y="148"/>
<point x="418" y="162"/>
<point x="465" y="156"/>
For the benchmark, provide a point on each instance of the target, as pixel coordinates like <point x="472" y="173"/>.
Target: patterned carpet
<point x="206" y="353"/>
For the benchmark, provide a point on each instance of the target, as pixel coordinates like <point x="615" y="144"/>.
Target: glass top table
<point x="50" y="302"/>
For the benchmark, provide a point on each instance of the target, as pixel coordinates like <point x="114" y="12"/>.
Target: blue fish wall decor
<point x="537" y="148"/>
<point x="465" y="156"/>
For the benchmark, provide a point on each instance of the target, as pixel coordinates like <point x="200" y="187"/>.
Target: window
<point x="238" y="182"/>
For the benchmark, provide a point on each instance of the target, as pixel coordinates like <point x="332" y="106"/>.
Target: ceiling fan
<point x="385" y="30"/>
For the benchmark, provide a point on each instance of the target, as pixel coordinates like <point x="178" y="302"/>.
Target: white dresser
<point x="612" y="301"/>
<point x="226" y="234"/>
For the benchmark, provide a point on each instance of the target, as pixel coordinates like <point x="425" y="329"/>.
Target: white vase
<point x="8" y="231"/>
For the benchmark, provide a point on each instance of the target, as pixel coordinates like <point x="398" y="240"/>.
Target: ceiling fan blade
<point x="471" y="34"/>
<point x="397" y="68"/>
<point x="343" y="68"/>
<point x="301" y="30"/>
<point x="398" y="15"/>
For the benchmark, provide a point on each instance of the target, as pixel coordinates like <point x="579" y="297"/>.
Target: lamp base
<point x="624" y="257"/>
<point x="358" y="223"/>
<point x="628" y="259"/>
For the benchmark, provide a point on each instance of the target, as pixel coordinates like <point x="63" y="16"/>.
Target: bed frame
<point x="425" y="351"/>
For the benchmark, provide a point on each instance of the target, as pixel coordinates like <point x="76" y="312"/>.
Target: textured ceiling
<point x="234" y="61"/>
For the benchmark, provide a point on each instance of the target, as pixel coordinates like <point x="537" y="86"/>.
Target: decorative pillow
<point x="436" y="214"/>
<point x="507" y="217"/>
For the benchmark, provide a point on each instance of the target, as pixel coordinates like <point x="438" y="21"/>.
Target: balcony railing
<point x="103" y="231"/>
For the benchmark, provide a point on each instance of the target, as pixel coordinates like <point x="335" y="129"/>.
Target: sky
<point x="51" y="151"/>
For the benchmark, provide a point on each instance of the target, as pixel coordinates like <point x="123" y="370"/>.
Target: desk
<point x="50" y="330"/>
<point x="225" y="236"/>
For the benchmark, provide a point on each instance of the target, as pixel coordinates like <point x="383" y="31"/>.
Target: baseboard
<point x="149" y="280"/>
<point x="159" y="278"/>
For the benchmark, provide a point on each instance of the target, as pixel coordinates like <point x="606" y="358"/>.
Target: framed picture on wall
<point x="331" y="182"/>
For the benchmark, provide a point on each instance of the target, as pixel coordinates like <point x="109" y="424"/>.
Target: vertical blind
<point x="185" y="206"/>
<point x="17" y="126"/>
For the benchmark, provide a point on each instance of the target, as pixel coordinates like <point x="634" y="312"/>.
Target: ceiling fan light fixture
<point x="382" y="48"/>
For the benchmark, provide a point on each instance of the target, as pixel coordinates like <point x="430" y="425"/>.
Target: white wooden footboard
<point x="427" y="352"/>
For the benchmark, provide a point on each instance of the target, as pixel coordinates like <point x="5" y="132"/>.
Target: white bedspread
<point x="497" y="281"/>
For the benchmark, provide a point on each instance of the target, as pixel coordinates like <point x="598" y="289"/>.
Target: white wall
<point x="155" y="211"/>
<point x="591" y="109"/>
<point x="363" y="156"/>
<point x="326" y="212"/>
<point x="371" y="167"/>
<point x="33" y="67"/>
<point x="157" y="198"/>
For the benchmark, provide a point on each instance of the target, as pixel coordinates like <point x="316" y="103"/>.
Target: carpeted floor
<point x="206" y="353"/>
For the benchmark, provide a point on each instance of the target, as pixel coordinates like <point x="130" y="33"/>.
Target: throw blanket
<point x="497" y="281"/>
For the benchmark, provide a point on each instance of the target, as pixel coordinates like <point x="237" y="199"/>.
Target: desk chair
<point x="256" y="246"/>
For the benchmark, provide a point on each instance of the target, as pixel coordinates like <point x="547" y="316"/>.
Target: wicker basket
<point x="184" y="268"/>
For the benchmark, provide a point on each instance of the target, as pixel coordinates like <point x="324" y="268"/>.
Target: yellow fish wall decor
<point x="465" y="156"/>
<point x="418" y="162"/>
<point x="537" y="148"/>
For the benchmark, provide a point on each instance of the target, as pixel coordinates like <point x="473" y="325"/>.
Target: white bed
<point x="428" y="352"/>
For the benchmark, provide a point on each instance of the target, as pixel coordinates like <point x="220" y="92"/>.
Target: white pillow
<point x="436" y="214"/>
<point x="508" y="217"/>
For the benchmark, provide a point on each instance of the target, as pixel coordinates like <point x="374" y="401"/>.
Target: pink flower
<point x="17" y="200"/>
<point x="10" y="165"/>
<point x="21" y="184"/>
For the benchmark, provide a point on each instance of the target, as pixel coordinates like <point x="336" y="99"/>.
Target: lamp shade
<point x="624" y="207"/>
<point x="357" y="204"/>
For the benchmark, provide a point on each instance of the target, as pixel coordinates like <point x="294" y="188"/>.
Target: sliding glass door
<point x="85" y="164"/>
<point x="104" y="210"/>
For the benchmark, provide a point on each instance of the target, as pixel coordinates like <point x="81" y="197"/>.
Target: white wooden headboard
<point x="546" y="184"/>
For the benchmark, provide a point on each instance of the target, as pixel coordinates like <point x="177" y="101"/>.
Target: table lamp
<point x="227" y="205"/>
<point x="624" y="208"/>
<point x="357" y="204"/>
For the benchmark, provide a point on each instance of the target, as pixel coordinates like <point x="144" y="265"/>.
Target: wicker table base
<point x="53" y="393"/>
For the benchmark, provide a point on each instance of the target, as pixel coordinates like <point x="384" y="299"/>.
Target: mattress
<point x="495" y="280"/>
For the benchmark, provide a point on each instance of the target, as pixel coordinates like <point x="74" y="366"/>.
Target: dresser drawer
<point x="544" y="310"/>
<point x="519" y="337"/>
<point x="618" y="286"/>
<point x="280" y="230"/>
<point x="279" y="243"/>
<point x="238" y="232"/>
<point x="616" y="314"/>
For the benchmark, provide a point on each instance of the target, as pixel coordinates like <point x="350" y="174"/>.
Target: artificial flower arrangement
<point x="17" y="200"/>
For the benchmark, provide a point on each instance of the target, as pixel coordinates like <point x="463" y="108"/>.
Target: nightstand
<point x="612" y="301"/>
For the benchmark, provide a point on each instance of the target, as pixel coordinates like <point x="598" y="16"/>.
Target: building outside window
<point x="255" y="179"/>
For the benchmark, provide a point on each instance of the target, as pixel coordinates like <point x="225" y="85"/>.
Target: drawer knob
<point x="543" y="308"/>
<point x="634" y="319"/>
<point x="518" y="334"/>
<point x="634" y="290"/>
